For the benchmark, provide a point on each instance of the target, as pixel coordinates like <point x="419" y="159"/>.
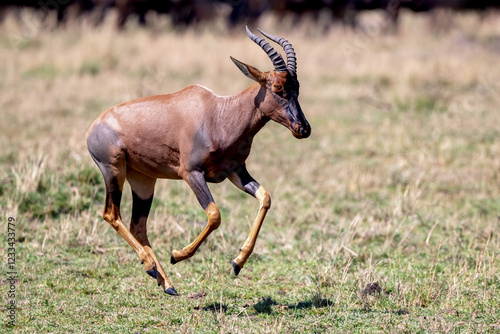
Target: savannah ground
<point x="398" y="184"/>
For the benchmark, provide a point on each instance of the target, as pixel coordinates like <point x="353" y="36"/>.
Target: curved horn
<point x="278" y="62"/>
<point x="291" y="59"/>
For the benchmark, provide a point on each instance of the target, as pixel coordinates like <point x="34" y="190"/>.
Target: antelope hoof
<point x="172" y="260"/>
<point x="236" y="268"/>
<point x="153" y="273"/>
<point x="171" y="291"/>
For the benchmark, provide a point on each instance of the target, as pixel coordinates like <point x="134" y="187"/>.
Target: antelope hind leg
<point x="104" y="146"/>
<point x="142" y="195"/>
<point x="112" y="216"/>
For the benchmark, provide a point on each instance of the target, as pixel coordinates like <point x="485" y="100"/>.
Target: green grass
<point x="398" y="185"/>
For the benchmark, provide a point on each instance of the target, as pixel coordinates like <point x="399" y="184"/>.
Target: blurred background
<point x="185" y="13"/>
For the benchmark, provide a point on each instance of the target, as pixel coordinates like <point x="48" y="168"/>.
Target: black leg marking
<point x="248" y="184"/>
<point x="140" y="207"/>
<point x="115" y="192"/>
<point x="172" y="259"/>
<point x="199" y="186"/>
<point x="153" y="273"/>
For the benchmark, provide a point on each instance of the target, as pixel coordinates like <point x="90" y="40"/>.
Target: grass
<point x="398" y="185"/>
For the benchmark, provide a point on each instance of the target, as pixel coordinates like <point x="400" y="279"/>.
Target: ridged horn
<point x="278" y="62"/>
<point x="291" y="58"/>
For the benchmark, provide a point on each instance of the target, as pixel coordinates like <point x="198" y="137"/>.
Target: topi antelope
<point x="197" y="136"/>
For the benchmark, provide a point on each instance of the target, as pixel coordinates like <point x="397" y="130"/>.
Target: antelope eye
<point x="278" y="90"/>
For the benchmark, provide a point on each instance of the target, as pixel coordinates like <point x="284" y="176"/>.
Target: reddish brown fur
<point x="158" y="132"/>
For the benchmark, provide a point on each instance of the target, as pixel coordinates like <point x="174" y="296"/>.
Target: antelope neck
<point x="237" y="117"/>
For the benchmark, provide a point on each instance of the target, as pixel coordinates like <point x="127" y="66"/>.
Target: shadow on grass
<point x="367" y="310"/>
<point x="265" y="305"/>
<point x="216" y="308"/>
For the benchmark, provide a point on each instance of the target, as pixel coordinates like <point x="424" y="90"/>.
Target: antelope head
<point x="279" y="93"/>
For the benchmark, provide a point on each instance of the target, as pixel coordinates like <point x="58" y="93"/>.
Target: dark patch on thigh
<point x="100" y="140"/>
<point x="140" y="207"/>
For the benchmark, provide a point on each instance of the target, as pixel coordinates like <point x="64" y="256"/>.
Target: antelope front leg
<point x="242" y="179"/>
<point x="199" y="186"/>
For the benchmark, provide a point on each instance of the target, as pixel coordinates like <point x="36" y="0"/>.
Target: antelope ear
<point x="250" y="71"/>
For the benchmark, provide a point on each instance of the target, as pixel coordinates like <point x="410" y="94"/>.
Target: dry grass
<point x="397" y="185"/>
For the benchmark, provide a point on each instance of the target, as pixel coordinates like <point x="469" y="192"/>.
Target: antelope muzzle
<point x="298" y="123"/>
